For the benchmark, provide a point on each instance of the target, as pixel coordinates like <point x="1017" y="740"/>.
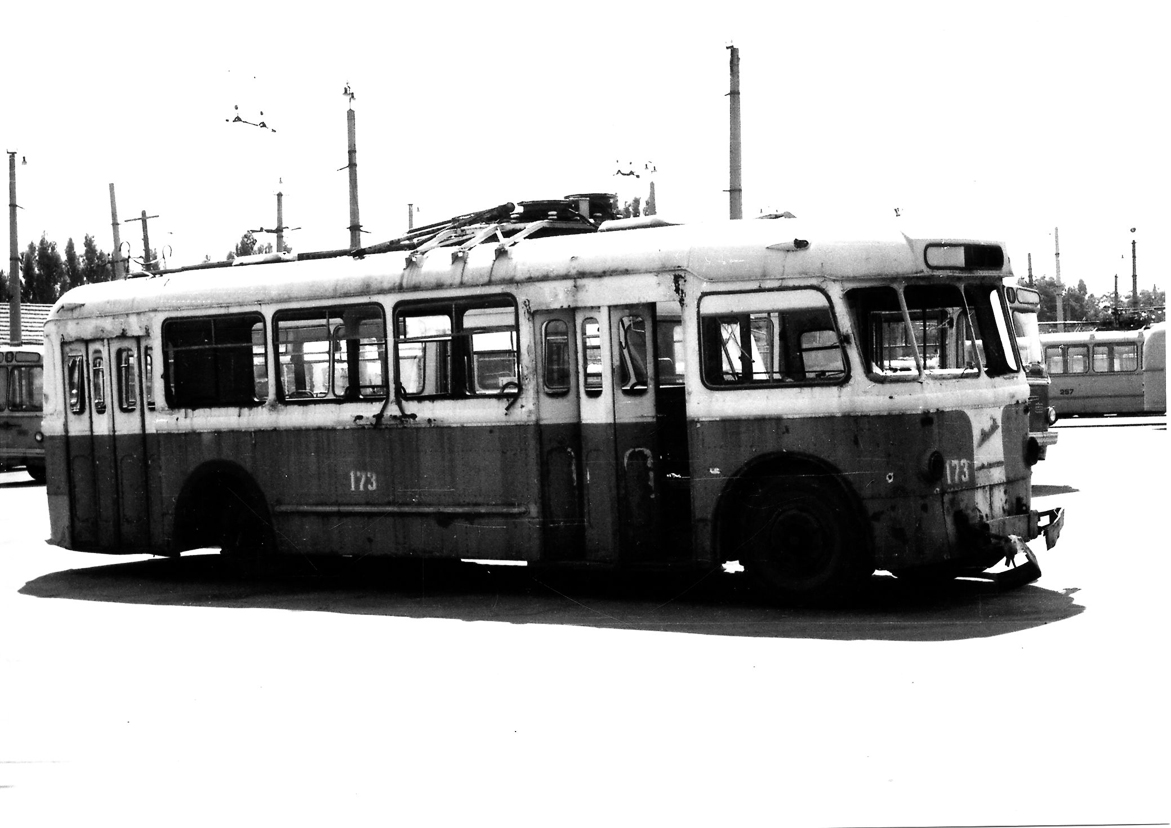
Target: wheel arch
<point x="730" y="503"/>
<point x="220" y="500"/>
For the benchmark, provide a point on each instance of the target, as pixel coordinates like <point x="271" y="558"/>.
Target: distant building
<point x="32" y="323"/>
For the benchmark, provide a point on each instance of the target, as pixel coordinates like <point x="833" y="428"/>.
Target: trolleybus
<point x="21" y="402"/>
<point x="1108" y="372"/>
<point x="811" y="404"/>
<point x="1026" y="304"/>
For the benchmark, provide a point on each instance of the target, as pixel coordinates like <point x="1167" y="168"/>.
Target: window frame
<point x="331" y="314"/>
<point x="217" y="351"/>
<point x="755" y="305"/>
<point x="457" y="346"/>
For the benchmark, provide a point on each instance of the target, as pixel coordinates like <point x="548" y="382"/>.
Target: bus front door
<point x="616" y="393"/>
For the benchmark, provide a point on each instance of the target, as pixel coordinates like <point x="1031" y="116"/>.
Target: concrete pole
<point x="355" y="225"/>
<point x="1057" y="254"/>
<point x="735" y="191"/>
<point x="14" y="333"/>
<point x="119" y="269"/>
<point x="1134" y="272"/>
<point x="147" y="259"/>
<point x="280" y="222"/>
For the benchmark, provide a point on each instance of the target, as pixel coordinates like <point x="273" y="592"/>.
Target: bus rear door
<point x="88" y="432"/>
<point x="127" y="408"/>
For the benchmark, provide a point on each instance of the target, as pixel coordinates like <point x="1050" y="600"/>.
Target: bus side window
<point x="424" y="352"/>
<point x="98" y="374"/>
<point x="591" y="357"/>
<point x="632" y="343"/>
<point x="669" y="352"/>
<point x="3" y="387"/>
<point x="215" y="361"/>
<point x="770" y="338"/>
<point x="127" y="380"/>
<point x="335" y="353"/>
<point x="490" y="335"/>
<point x="148" y="376"/>
<point x="1054" y="361"/>
<point x="556" y="357"/>
<point x="1126" y="357"/>
<point x="1102" y="359"/>
<point x="76" y="378"/>
<point x="1078" y="359"/>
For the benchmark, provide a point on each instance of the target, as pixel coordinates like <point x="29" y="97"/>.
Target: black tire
<point x="37" y="473"/>
<point x="221" y="507"/>
<point x="802" y="539"/>
<point x="245" y="531"/>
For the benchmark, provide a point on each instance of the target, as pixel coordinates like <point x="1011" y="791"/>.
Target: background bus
<point x="21" y="403"/>
<point x="22" y="393"/>
<point x="1025" y="303"/>
<point x="812" y="406"/>
<point x="1108" y="372"/>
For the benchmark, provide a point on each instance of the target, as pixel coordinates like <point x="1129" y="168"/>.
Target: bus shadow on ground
<point x="717" y="604"/>
<point x="1040" y="490"/>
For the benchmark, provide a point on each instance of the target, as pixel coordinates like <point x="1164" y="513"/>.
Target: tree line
<point x="1103" y="312"/>
<point x="46" y="274"/>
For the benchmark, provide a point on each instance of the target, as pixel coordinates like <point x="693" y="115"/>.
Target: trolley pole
<point x="14" y="333"/>
<point x="119" y="269"/>
<point x="735" y="192"/>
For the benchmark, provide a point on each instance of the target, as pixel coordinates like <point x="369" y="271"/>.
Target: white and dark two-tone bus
<point x="1108" y="372"/>
<point x="813" y="405"/>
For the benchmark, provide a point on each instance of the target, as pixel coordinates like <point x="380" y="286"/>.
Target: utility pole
<point x="1030" y="270"/>
<point x="14" y="333"/>
<point x="735" y="192"/>
<point x="280" y="228"/>
<point x="1057" y="253"/>
<point x="147" y="260"/>
<point x="119" y="268"/>
<point x="1134" y="270"/>
<point x="352" y="166"/>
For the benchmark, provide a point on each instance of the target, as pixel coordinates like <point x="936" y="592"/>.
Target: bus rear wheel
<point x="220" y="507"/>
<point x="801" y="540"/>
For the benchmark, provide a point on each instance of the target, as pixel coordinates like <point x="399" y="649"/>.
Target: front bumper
<point x="1003" y="539"/>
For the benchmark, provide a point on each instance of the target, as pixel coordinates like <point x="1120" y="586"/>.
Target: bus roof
<point x="717" y="251"/>
<point x="1085" y="337"/>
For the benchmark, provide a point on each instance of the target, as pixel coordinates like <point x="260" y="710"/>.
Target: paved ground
<point x="175" y="693"/>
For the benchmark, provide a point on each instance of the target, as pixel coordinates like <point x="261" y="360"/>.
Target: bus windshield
<point x="936" y="330"/>
<point x="1028" y="338"/>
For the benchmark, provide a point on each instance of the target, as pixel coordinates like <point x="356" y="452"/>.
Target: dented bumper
<point x="1028" y="526"/>
<point x="1006" y="537"/>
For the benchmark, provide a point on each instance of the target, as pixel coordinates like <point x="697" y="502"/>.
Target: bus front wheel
<point x="801" y="539"/>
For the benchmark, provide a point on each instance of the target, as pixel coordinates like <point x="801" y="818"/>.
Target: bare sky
<point x="1001" y="120"/>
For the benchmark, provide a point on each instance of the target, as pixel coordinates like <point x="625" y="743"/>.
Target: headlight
<point x="932" y="467"/>
<point x="40" y="438"/>
<point x="1051" y="415"/>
